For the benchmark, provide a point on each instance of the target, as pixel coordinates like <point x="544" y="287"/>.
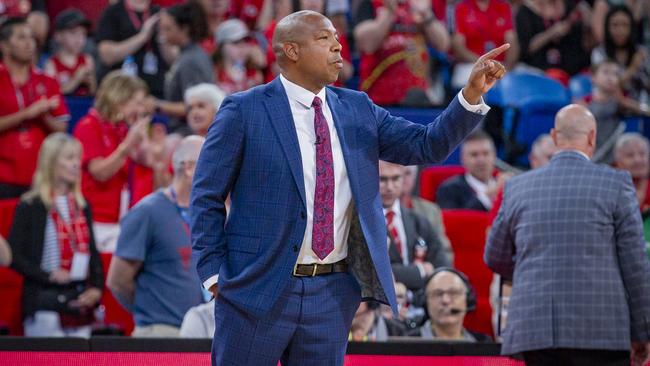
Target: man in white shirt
<point x="413" y="246"/>
<point x="477" y="188"/>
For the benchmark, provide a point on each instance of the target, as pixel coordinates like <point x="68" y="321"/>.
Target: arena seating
<point x="466" y="229"/>
<point x="432" y="177"/>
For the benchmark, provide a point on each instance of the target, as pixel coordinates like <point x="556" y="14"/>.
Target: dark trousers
<point x="309" y="325"/>
<point x="576" y="357"/>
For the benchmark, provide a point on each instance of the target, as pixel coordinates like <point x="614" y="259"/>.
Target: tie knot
<point x="317" y="102"/>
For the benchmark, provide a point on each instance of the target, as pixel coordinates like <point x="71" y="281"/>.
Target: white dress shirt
<point x="300" y="100"/>
<point x="398" y="223"/>
<point x="480" y="189"/>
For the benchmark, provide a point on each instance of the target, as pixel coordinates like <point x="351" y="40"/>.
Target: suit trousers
<point x="576" y="357"/>
<point x="308" y="325"/>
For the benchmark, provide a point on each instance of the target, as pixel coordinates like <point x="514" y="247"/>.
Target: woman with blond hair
<point x="53" y="246"/>
<point x="111" y="135"/>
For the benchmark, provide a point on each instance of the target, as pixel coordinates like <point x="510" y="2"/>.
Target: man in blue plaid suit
<point x="570" y="237"/>
<point x="305" y="239"/>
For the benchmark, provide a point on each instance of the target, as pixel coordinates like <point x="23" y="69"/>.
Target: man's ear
<point x="592" y="139"/>
<point x="554" y="136"/>
<point x="291" y="51"/>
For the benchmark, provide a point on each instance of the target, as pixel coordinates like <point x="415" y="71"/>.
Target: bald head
<point x="295" y="28"/>
<point x="575" y="128"/>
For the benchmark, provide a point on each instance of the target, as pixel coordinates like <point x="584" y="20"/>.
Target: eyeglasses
<point x="452" y="293"/>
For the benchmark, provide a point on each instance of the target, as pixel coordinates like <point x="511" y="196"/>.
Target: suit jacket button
<point x="295" y="249"/>
<point x="302" y="215"/>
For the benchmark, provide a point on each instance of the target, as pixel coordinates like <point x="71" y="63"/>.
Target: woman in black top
<point x="621" y="45"/>
<point x="54" y="248"/>
<point x="550" y="35"/>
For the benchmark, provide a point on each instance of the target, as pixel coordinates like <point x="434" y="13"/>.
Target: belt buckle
<point x="295" y="271"/>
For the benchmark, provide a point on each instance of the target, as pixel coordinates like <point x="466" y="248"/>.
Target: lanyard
<point x="135" y="21"/>
<point x="183" y="212"/>
<point x="23" y="100"/>
<point x="133" y="17"/>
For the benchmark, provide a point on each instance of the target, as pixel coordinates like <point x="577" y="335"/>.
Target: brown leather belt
<point x="310" y="270"/>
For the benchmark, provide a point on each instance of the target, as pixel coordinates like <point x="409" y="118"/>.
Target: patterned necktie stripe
<point x="323" y="231"/>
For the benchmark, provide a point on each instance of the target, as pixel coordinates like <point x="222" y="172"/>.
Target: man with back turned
<point x="570" y="237"/>
<point x="305" y="238"/>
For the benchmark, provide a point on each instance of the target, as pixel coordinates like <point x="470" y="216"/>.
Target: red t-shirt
<point x="64" y="73"/>
<point x="19" y="146"/>
<point x="99" y="139"/>
<point x="400" y="64"/>
<point x="483" y="30"/>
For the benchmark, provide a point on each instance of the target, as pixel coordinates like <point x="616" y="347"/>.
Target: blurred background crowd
<point x="104" y="105"/>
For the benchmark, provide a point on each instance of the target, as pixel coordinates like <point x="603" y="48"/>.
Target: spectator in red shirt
<point x="110" y="135"/>
<point x="31" y="107"/>
<point x="481" y="25"/>
<point x="239" y="61"/>
<point x="393" y="37"/>
<point x="70" y="66"/>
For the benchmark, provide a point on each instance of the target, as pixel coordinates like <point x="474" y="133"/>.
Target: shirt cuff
<point x="210" y="282"/>
<point x="480" y="108"/>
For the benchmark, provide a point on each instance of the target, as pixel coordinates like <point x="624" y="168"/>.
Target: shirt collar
<point x="574" y="151"/>
<point x="475" y="183"/>
<point x="300" y="94"/>
<point x="395" y="208"/>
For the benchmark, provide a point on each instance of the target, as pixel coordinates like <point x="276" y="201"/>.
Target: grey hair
<point x="537" y="144"/>
<point x="187" y="150"/>
<point x="628" y="137"/>
<point x="207" y="92"/>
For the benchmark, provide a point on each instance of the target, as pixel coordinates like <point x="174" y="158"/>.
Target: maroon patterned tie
<point x="322" y="241"/>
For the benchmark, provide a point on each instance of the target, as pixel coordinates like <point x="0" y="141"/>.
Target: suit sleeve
<point x="408" y="275"/>
<point x="633" y="260"/>
<point x="446" y="196"/>
<point x="19" y="240"/>
<point x="407" y="143"/>
<point x="216" y="171"/>
<point x="500" y="247"/>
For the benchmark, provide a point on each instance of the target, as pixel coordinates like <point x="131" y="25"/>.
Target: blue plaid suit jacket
<point x="570" y="236"/>
<point x="252" y="153"/>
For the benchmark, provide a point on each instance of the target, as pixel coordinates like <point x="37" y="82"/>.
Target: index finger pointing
<point x="495" y="52"/>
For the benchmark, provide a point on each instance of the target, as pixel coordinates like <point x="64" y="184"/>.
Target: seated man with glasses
<point x="449" y="296"/>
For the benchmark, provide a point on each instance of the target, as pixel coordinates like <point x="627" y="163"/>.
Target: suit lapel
<point x="346" y="133"/>
<point x="277" y="105"/>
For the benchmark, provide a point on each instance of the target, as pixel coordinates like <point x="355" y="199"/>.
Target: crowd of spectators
<point x="158" y="71"/>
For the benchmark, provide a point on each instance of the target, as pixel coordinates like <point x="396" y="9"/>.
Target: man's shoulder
<point x="454" y="181"/>
<point x="595" y="173"/>
<point x="149" y="205"/>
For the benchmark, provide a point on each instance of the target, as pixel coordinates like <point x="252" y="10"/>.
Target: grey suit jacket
<point x="416" y="228"/>
<point x="570" y="236"/>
